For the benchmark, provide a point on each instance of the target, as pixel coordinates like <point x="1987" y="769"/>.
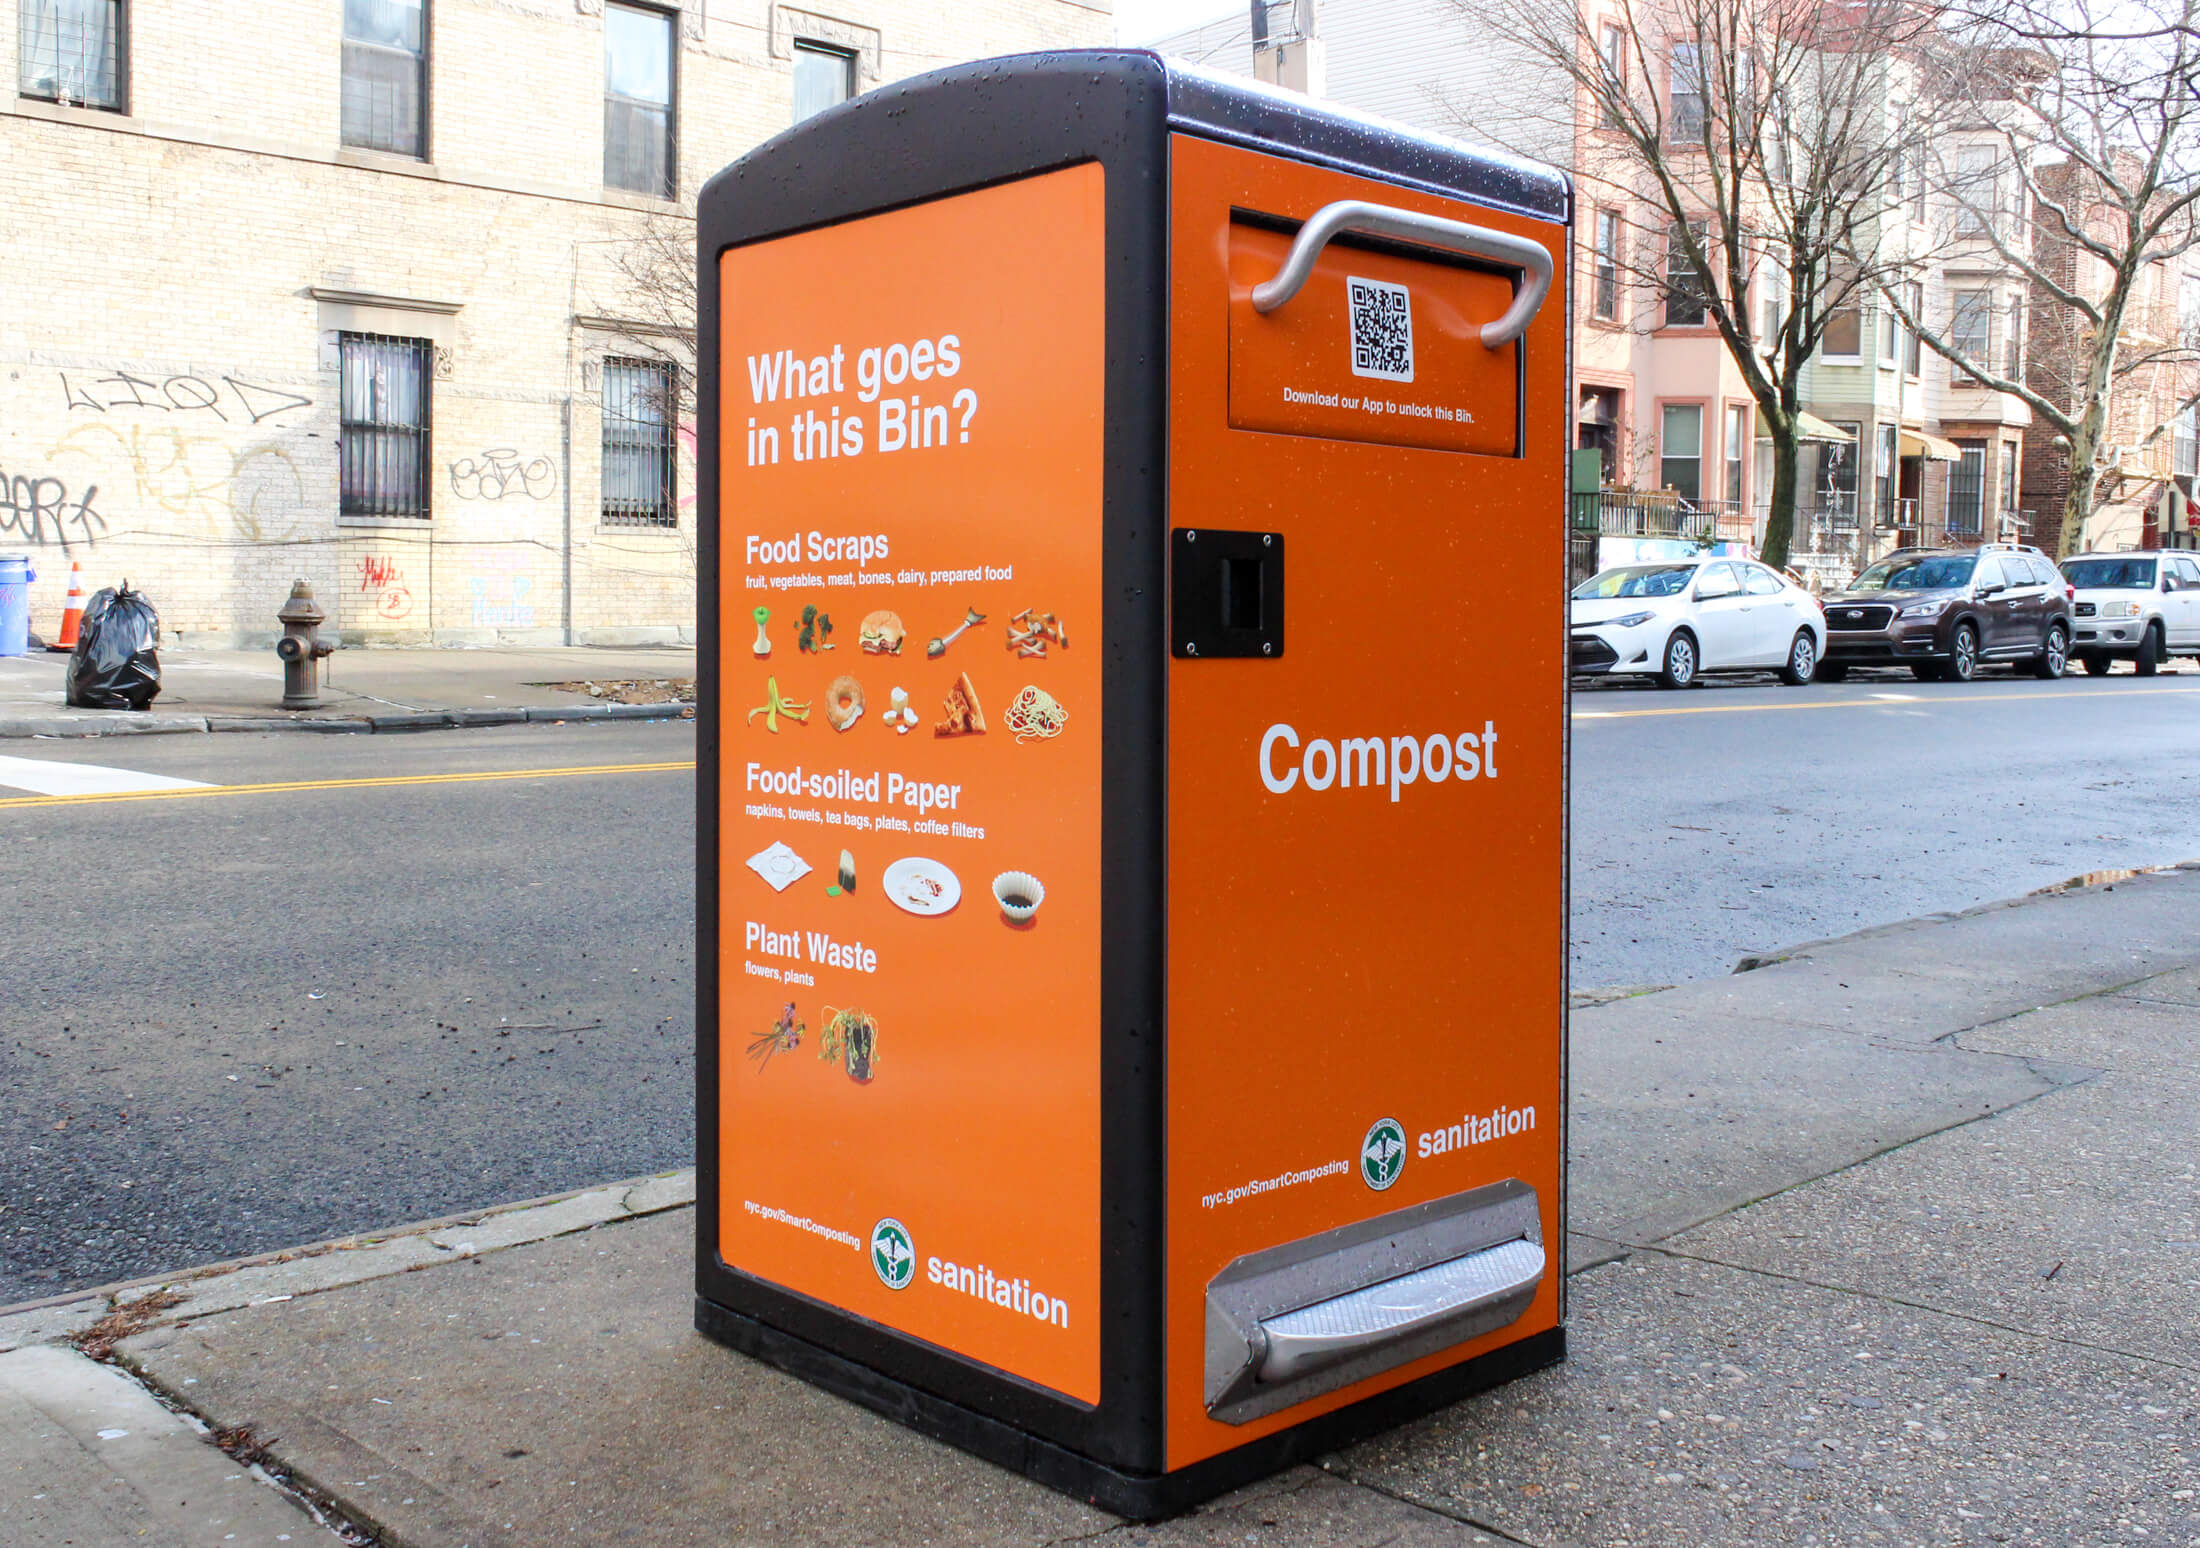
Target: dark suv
<point x="1943" y="612"/>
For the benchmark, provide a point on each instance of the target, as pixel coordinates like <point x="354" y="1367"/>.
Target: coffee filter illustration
<point x="1019" y="893"/>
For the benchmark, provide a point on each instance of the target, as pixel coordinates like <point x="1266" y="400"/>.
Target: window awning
<point x="1809" y="427"/>
<point x="1916" y="443"/>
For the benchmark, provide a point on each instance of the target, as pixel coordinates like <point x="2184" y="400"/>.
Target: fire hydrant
<point x="301" y="648"/>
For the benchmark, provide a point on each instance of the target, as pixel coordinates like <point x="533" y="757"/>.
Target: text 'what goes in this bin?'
<point x="883" y="398"/>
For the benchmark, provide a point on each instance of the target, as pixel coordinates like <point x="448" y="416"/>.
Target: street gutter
<point x="124" y="723"/>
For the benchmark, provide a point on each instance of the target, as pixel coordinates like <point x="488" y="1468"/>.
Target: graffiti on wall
<point x="501" y="601"/>
<point x="38" y="508"/>
<point x="226" y="398"/>
<point x="381" y="575"/>
<point x="498" y="472"/>
<point x="200" y="481"/>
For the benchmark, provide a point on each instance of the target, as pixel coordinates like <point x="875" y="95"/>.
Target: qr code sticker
<point x="1382" y="329"/>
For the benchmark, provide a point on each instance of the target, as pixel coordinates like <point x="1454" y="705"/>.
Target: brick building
<point x="340" y="289"/>
<point x="2152" y="460"/>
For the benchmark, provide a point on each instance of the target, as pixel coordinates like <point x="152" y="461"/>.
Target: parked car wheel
<point x="2096" y="664"/>
<point x="2054" y="657"/>
<point x="1833" y="671"/>
<point x="1962" y="662"/>
<point x="1927" y="671"/>
<point x="1802" y="662"/>
<point x="2150" y="651"/>
<point x="1680" y="661"/>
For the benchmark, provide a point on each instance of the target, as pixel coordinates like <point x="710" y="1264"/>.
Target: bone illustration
<point x="937" y="648"/>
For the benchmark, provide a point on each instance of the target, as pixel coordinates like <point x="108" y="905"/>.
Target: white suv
<point x="2139" y="606"/>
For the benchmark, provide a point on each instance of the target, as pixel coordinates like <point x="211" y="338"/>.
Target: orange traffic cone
<point x="72" y="611"/>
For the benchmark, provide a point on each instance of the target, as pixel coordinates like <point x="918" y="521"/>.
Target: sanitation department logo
<point x="893" y="1255"/>
<point x="1383" y="1154"/>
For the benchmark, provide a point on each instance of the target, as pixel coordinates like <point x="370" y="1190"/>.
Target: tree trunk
<point x="1780" y="515"/>
<point x="2084" y="479"/>
<point x="2085" y="441"/>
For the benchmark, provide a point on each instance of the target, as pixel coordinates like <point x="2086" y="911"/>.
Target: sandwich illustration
<point x="881" y="633"/>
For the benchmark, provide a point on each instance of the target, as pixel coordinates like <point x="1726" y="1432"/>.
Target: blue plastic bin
<point x="16" y="576"/>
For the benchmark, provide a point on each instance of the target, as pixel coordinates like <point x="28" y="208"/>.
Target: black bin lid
<point x="1017" y="113"/>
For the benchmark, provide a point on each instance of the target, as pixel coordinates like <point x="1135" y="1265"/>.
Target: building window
<point x="1684" y="118"/>
<point x="1883" y="476"/>
<point x="1967" y="487"/>
<point x="1739" y="418"/>
<point x="1684" y="292"/>
<point x="2188" y="440"/>
<point x="2012" y="342"/>
<point x="1890" y="334"/>
<point x="1596" y="428"/>
<point x="1605" y="300"/>
<point x="383" y="425"/>
<point x="385" y="75"/>
<point x="1977" y="190"/>
<point x="71" y="51"/>
<point x="1680" y="450"/>
<point x="638" y="467"/>
<point x="1612" y="52"/>
<point x="1970" y="320"/>
<point x="2008" y="477"/>
<point x="638" y="127"/>
<point x="1837" y="476"/>
<point x="1772" y="300"/>
<point x="822" y="77"/>
<point x="1913" y="297"/>
<point x="1844" y="335"/>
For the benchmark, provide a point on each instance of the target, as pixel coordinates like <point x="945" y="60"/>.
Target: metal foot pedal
<point x="1293" y="1321"/>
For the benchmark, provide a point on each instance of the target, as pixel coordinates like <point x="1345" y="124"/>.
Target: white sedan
<point x="1678" y="619"/>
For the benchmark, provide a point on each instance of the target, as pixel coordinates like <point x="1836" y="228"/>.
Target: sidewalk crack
<point x="1093" y="1536"/>
<point x="1891" y="1299"/>
<point x="1650" y="1243"/>
<point x="2148" y="999"/>
<point x="1335" y="1468"/>
<point x="2073" y="999"/>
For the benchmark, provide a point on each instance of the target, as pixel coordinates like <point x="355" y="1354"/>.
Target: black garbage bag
<point x="116" y="664"/>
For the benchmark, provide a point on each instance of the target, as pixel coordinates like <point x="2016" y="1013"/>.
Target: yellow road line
<point x="347" y="784"/>
<point x="1907" y="702"/>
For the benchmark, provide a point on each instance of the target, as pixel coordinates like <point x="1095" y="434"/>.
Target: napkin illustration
<point x="780" y="866"/>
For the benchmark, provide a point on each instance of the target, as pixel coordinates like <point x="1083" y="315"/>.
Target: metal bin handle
<point x="1455" y="236"/>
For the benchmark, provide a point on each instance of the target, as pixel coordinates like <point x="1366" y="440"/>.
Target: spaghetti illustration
<point x="1035" y="716"/>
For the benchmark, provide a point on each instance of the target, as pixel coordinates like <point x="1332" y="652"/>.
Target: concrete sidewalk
<point x="1895" y="1240"/>
<point x="362" y="690"/>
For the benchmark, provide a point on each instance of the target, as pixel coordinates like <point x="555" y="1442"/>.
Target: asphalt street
<point x="1744" y="815"/>
<point x="405" y="984"/>
<point x="243" y="1022"/>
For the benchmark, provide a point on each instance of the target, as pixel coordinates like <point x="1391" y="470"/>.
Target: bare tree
<point x="656" y="269"/>
<point x="2092" y="197"/>
<point x="1753" y="133"/>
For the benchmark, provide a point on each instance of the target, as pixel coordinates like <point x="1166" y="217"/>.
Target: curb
<point x="346" y="1260"/>
<point x="120" y="723"/>
<point x="123" y="723"/>
<point x="1750" y="962"/>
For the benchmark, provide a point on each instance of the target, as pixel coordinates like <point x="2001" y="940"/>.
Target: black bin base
<point x="1137" y="1496"/>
